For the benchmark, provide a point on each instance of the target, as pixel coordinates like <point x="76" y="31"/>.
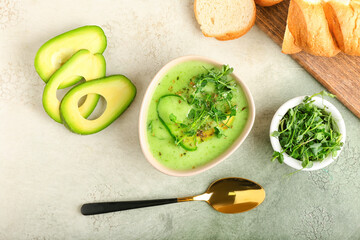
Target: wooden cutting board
<point x="339" y="74"/>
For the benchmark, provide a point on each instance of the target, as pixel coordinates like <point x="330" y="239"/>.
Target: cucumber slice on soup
<point x="82" y="64"/>
<point x="176" y="106"/>
<point x="118" y="92"/>
<point x="59" y="49"/>
<point x="158" y="130"/>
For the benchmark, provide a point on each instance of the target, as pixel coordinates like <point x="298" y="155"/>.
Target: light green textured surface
<point x="47" y="172"/>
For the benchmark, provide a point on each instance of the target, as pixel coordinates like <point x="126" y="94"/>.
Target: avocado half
<point x="82" y="65"/>
<point x="118" y="92"/>
<point x="59" y="49"/>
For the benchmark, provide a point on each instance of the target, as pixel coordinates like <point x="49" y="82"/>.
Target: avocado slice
<point x="176" y="106"/>
<point x="59" y="49"/>
<point x="118" y="92"/>
<point x="82" y="64"/>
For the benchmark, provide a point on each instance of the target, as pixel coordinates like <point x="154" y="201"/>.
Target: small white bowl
<point x="144" y="112"/>
<point x="319" y="102"/>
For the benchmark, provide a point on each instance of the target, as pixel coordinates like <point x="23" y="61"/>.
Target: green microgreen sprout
<point x="210" y="98"/>
<point x="308" y="133"/>
<point x="219" y="132"/>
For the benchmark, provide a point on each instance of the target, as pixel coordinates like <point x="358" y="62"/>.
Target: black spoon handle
<point x="106" y="207"/>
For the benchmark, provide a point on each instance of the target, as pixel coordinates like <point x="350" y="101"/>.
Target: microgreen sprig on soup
<point x="308" y="133"/>
<point x="210" y="98"/>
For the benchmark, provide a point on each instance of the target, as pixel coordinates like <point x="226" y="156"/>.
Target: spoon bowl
<point x="235" y="195"/>
<point x="226" y="195"/>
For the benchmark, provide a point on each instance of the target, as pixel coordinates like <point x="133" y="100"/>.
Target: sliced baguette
<point x="344" y="22"/>
<point x="267" y="3"/>
<point x="225" y="19"/>
<point x="308" y="25"/>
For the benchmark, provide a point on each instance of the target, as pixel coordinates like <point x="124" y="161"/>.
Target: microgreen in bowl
<point x="308" y="133"/>
<point x="205" y="104"/>
<point x="209" y="97"/>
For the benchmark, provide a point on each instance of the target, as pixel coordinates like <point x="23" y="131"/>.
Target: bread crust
<point x="308" y="25"/>
<point x="288" y="45"/>
<point x="344" y="25"/>
<point x="229" y="35"/>
<point x="267" y="3"/>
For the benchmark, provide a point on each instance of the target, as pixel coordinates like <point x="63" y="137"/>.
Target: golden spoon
<point x="227" y="195"/>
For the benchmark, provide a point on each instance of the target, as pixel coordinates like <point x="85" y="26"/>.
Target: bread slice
<point x="267" y="3"/>
<point x="288" y="45"/>
<point x="225" y="19"/>
<point x="308" y="25"/>
<point x="344" y="22"/>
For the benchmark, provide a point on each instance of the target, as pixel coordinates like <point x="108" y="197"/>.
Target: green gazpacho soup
<point x="196" y="113"/>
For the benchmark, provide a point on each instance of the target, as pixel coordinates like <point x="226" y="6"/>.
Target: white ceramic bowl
<point x="294" y="163"/>
<point x="144" y="112"/>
